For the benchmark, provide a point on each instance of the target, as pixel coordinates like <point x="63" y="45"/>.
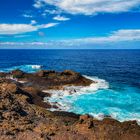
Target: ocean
<point x="117" y="93"/>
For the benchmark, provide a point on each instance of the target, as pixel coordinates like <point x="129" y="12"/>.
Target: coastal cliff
<point x="24" y="115"/>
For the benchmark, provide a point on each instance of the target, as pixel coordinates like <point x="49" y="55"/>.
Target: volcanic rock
<point x="17" y="73"/>
<point x="24" y="115"/>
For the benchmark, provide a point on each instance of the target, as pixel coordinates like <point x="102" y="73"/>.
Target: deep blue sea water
<point x="119" y="68"/>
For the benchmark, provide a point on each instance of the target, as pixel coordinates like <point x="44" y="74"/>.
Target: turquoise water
<point x="26" y="68"/>
<point x="117" y="95"/>
<point x="121" y="104"/>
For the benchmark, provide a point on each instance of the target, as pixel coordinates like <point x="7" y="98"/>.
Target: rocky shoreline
<point x="24" y="115"/>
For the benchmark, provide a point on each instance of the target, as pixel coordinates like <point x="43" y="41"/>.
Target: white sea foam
<point x="75" y="91"/>
<point x="117" y="116"/>
<point x="97" y="100"/>
<point x="99" y="116"/>
<point x="36" y="66"/>
<point x="29" y="68"/>
<point x="26" y="68"/>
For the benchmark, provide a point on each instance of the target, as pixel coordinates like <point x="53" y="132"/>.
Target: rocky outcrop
<point x="24" y="115"/>
<point x="17" y="74"/>
<point x="37" y="97"/>
<point x="2" y="74"/>
<point x="48" y="79"/>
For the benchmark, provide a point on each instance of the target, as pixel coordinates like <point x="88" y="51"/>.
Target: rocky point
<point x="24" y="115"/>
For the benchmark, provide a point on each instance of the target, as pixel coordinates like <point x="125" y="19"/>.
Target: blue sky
<point x="95" y="24"/>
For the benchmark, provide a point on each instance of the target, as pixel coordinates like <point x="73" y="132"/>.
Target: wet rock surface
<point x="24" y="115"/>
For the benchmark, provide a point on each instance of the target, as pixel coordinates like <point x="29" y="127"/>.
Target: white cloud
<point x="91" y="7"/>
<point x="121" y="36"/>
<point x="27" y="16"/>
<point x="125" y="35"/>
<point x="61" y="18"/>
<point x="33" y="22"/>
<point x="52" y="11"/>
<point x="38" y="3"/>
<point x="114" y="37"/>
<point x="23" y="43"/>
<point x="16" y="28"/>
<point x="47" y="25"/>
<point x="10" y="29"/>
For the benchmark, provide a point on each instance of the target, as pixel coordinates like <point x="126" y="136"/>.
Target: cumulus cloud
<point x="91" y="7"/>
<point x="10" y="29"/>
<point x="120" y="36"/>
<point x="115" y="37"/>
<point x="61" y="18"/>
<point x="38" y="3"/>
<point x="16" y="28"/>
<point x="47" y="25"/>
<point x="27" y="16"/>
<point x="33" y="22"/>
<point x="52" y="11"/>
<point x="126" y="37"/>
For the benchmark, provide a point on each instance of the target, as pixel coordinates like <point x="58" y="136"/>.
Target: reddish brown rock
<point x="56" y="80"/>
<point x="37" y="97"/>
<point x="17" y="73"/>
<point x="84" y="117"/>
<point x="24" y="115"/>
<point x="44" y="73"/>
<point x="2" y="74"/>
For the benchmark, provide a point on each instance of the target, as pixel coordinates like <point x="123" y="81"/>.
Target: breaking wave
<point x="25" y="68"/>
<point x="77" y="90"/>
<point x="98" y="100"/>
<point x="59" y="96"/>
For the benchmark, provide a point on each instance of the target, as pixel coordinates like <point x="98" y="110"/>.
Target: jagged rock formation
<point x="48" y="79"/>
